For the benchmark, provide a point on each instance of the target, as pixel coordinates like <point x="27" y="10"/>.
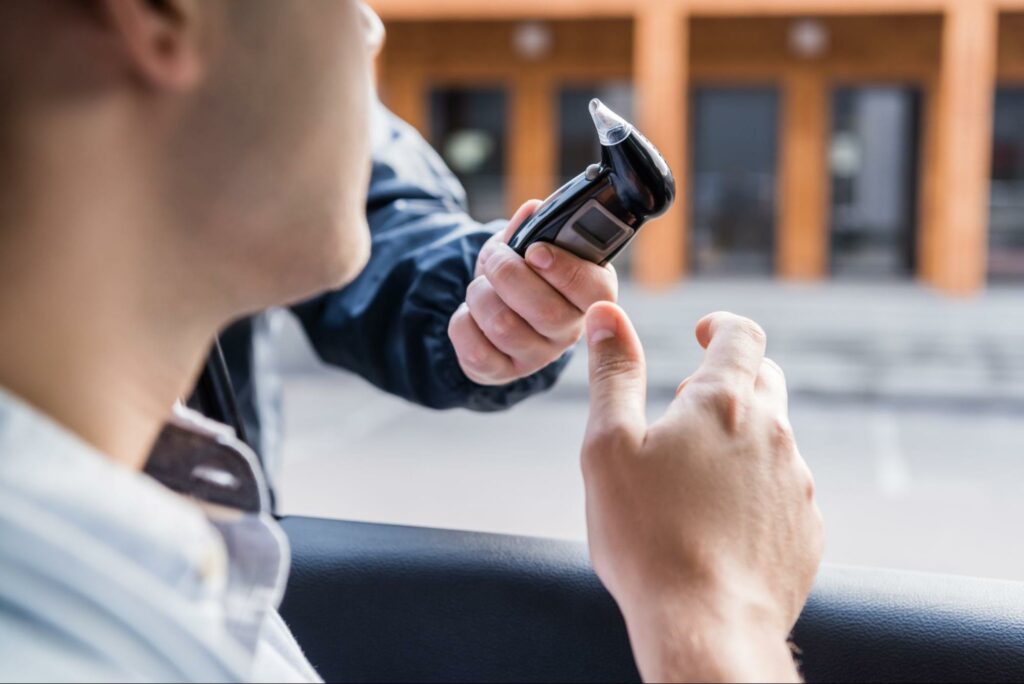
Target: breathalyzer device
<point x="597" y="214"/>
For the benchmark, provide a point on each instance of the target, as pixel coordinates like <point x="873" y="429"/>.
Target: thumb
<point x="618" y="375"/>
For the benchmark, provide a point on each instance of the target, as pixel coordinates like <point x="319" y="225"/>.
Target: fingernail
<point x="540" y="256"/>
<point x="601" y="326"/>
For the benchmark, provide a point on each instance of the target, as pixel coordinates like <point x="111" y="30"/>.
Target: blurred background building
<point x="816" y="139"/>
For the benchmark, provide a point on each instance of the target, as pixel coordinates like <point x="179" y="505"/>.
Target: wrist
<point x="710" y="637"/>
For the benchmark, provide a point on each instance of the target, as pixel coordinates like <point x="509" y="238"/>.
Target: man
<point x="141" y="148"/>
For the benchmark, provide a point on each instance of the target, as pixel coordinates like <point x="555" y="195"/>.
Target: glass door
<point x="1006" y="242"/>
<point x="874" y="165"/>
<point x="469" y="126"/>
<point x="735" y="160"/>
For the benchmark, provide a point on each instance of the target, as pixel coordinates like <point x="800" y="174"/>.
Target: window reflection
<point x="734" y="180"/>
<point x="469" y="127"/>
<point x="873" y="160"/>
<point x="1006" y="251"/>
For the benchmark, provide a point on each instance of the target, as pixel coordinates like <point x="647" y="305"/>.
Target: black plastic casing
<point x="634" y="184"/>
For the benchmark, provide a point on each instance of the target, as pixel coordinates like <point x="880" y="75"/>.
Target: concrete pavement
<point x="888" y="341"/>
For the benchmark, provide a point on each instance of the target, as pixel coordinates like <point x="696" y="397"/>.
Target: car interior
<point x="383" y="603"/>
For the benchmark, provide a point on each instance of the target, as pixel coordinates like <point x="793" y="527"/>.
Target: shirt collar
<point x="197" y="519"/>
<point x="54" y="468"/>
<point x="204" y="460"/>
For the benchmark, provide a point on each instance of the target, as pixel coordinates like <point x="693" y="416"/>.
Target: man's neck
<point x="95" y="366"/>
<point x="101" y="328"/>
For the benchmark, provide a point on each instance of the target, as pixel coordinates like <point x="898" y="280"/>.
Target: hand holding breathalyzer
<point x="520" y="314"/>
<point x="538" y="278"/>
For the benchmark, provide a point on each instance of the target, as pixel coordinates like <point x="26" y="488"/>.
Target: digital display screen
<point x="598" y="228"/>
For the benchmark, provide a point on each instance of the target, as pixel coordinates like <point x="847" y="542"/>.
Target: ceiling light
<point x="809" y="38"/>
<point x="533" y="40"/>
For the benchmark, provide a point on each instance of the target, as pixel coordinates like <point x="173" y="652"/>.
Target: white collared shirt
<point x="108" y="575"/>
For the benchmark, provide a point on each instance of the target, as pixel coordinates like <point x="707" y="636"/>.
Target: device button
<point x="593" y="172"/>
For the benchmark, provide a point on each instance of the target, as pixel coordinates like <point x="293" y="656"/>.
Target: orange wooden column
<point x="661" y="66"/>
<point x="532" y="140"/>
<point x="803" y="229"/>
<point x="404" y="91"/>
<point x="958" y="241"/>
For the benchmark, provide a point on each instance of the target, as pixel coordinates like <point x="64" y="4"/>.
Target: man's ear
<point x="161" y="39"/>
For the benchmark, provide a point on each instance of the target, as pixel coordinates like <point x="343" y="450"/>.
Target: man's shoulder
<point x="71" y="607"/>
<point x="88" y="590"/>
<point x="32" y="651"/>
<point x="52" y="624"/>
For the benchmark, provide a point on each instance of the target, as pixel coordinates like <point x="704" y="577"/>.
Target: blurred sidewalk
<point x="887" y="341"/>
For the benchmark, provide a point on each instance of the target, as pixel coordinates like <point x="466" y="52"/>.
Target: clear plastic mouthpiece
<point x="611" y="128"/>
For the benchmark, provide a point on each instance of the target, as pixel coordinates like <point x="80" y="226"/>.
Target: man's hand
<point x="704" y="525"/>
<point x="521" y="315"/>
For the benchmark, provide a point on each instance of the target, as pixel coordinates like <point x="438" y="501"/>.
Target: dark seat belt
<point x="215" y="396"/>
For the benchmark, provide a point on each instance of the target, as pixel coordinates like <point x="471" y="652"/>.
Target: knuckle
<point x="552" y="318"/>
<point x="504" y="326"/>
<point x="477" y="358"/>
<point x="724" y="401"/>
<point x="525" y="366"/>
<point x="614" y="366"/>
<point x="573" y="277"/>
<point x="603" y="441"/>
<point x="609" y="433"/>
<point x="484" y="368"/>
<point x="457" y="323"/>
<point x="572" y="335"/>
<point x="484" y="255"/>
<point x="592" y="284"/>
<point x="461" y="332"/>
<point x="477" y="367"/>
<point x="782" y="435"/>
<point x="475" y="289"/>
<point x="502" y="269"/>
<point x="698" y="392"/>
<point x="810" y="486"/>
<point x="721" y="397"/>
<point x="752" y="331"/>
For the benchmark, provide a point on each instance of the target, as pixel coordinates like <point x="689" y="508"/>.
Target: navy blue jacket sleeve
<point x="391" y="325"/>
